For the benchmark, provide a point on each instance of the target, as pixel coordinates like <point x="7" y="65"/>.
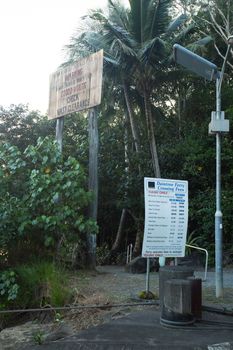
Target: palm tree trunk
<point x="119" y="236"/>
<point x="131" y="118"/>
<point x="139" y="235"/>
<point x="151" y="136"/>
<point x="138" y="242"/>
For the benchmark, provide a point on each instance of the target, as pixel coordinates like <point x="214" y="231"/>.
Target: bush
<point x="42" y="199"/>
<point x="8" y="287"/>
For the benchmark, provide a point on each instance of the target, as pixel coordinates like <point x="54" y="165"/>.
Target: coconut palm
<point x="136" y="42"/>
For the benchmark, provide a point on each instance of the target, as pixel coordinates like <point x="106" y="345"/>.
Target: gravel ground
<point x="119" y="286"/>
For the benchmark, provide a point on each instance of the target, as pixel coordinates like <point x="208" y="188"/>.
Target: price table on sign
<point x="166" y="217"/>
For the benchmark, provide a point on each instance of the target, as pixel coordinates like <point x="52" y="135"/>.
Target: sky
<point x="33" y="34"/>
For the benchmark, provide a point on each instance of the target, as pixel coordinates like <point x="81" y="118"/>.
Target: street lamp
<point x="217" y="126"/>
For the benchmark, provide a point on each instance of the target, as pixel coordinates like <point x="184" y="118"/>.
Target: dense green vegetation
<point x="43" y="198"/>
<point x="153" y="121"/>
<point x="38" y="284"/>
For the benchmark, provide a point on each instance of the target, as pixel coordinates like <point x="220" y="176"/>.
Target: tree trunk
<point x="155" y="162"/>
<point x="93" y="184"/>
<point x="138" y="242"/>
<point x="118" y="240"/>
<point x="151" y="136"/>
<point x="131" y="119"/>
<point x="139" y="235"/>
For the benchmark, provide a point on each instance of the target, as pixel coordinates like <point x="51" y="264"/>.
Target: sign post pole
<point x="147" y="275"/>
<point x="93" y="181"/>
<point x="59" y="132"/>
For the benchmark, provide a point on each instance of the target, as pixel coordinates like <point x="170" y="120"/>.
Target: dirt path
<point x="118" y="285"/>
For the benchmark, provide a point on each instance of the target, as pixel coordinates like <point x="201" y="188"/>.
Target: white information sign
<point x="166" y="217"/>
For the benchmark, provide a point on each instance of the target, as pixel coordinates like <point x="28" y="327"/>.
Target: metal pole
<point x="127" y="255"/>
<point x="218" y="213"/>
<point x="206" y="258"/>
<point x="162" y="261"/>
<point x="130" y="252"/>
<point x="147" y="275"/>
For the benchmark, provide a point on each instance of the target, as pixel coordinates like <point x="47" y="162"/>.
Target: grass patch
<point x="209" y="296"/>
<point x="42" y="283"/>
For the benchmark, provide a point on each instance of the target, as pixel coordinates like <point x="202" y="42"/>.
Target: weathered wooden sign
<point x="76" y="87"/>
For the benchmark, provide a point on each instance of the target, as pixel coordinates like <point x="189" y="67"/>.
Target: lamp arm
<point x="223" y="69"/>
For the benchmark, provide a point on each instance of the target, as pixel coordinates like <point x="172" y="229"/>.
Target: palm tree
<point x="136" y="42"/>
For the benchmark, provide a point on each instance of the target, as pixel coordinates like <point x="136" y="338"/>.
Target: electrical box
<point x="221" y="125"/>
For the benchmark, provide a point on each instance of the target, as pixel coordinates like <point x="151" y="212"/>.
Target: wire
<point x="201" y="325"/>
<point x="104" y="306"/>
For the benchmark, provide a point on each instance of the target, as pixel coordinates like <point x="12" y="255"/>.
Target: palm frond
<point x="199" y="45"/>
<point x="183" y="34"/>
<point x="116" y="32"/>
<point x="157" y="18"/>
<point x="87" y="22"/>
<point x="111" y="70"/>
<point x="204" y="41"/>
<point x="108" y="34"/>
<point x="118" y="13"/>
<point x="136" y="18"/>
<point x="85" y="43"/>
<point x="177" y="22"/>
<point x="120" y="49"/>
<point x="153" y="51"/>
<point x="110" y="61"/>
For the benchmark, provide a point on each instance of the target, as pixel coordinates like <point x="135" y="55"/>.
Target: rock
<point x="228" y="258"/>
<point x="32" y="333"/>
<point x="196" y="258"/>
<point x="15" y="337"/>
<point x="62" y="331"/>
<point x="138" y="265"/>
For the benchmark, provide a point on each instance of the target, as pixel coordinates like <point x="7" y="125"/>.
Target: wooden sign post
<point x="75" y="88"/>
<point x="59" y="132"/>
<point x="93" y="180"/>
